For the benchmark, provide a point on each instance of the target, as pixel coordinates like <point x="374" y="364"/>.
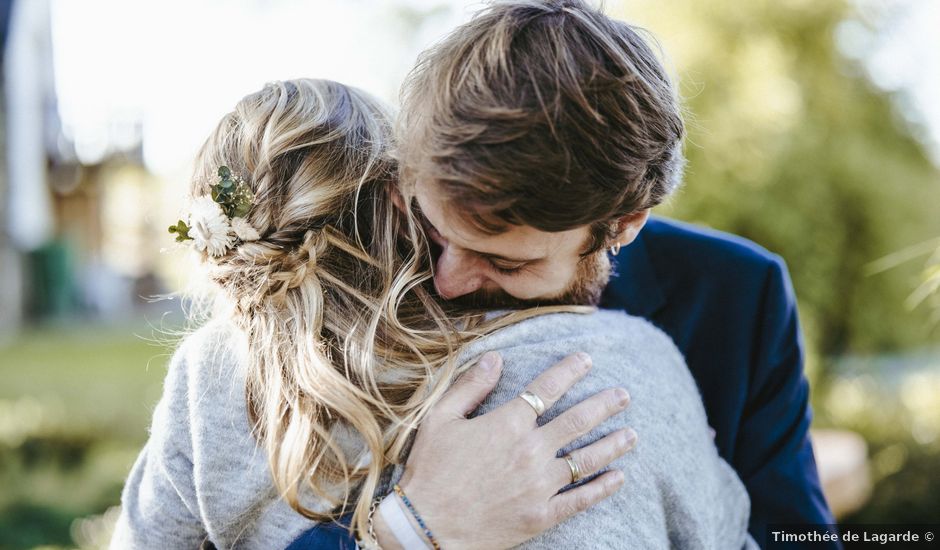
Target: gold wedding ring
<point x="575" y="469"/>
<point x="535" y="401"/>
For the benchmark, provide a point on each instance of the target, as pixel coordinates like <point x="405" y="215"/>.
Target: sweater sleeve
<point x="159" y="508"/>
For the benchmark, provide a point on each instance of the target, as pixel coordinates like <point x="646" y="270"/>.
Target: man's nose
<point x="456" y="274"/>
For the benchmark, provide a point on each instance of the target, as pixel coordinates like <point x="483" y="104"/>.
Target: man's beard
<point x="592" y="275"/>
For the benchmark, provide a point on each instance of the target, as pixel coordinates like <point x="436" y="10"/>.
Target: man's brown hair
<point x="544" y="113"/>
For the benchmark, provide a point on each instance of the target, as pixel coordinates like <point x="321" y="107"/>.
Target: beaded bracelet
<point x="411" y="508"/>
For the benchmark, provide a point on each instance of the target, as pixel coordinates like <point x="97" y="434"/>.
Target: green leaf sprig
<point x="181" y="230"/>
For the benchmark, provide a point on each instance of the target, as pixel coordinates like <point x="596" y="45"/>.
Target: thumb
<point x="473" y="386"/>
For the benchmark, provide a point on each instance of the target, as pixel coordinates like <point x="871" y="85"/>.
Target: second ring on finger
<point x="578" y="465"/>
<point x="586" y="461"/>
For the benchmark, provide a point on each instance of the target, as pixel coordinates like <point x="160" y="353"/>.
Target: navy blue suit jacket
<point x="729" y="306"/>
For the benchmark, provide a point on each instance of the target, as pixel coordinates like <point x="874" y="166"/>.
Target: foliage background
<point x="791" y="146"/>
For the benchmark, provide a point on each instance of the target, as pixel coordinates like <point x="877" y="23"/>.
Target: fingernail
<point x="631" y="439"/>
<point x="585" y="358"/>
<point x="489" y="361"/>
<point x="623" y="397"/>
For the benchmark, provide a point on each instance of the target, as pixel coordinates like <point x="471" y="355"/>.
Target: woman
<point x="323" y="351"/>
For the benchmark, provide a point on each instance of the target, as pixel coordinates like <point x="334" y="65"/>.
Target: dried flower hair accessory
<point x="216" y="222"/>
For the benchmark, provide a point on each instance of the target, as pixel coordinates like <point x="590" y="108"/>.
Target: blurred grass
<point x="84" y="369"/>
<point x="75" y="404"/>
<point x="891" y="400"/>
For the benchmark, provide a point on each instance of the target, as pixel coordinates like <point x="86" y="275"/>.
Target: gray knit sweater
<point x="201" y="476"/>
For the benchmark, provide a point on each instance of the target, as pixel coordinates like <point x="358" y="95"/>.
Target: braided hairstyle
<point x="342" y="336"/>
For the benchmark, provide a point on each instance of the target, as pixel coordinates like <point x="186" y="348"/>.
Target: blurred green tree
<point x="790" y="145"/>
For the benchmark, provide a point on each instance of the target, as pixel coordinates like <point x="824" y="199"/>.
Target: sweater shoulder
<point x="625" y="351"/>
<point x="216" y="348"/>
<point x="552" y="326"/>
<point x="601" y="331"/>
<point x="209" y="367"/>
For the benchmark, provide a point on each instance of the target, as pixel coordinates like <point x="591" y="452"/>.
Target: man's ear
<point x="629" y="226"/>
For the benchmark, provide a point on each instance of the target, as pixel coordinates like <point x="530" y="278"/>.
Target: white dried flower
<point x="244" y="230"/>
<point x="209" y="227"/>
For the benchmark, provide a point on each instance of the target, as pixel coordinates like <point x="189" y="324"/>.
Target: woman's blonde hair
<point x="342" y="335"/>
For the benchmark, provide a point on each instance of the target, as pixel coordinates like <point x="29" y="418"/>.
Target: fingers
<point x="596" y="456"/>
<point x="555" y="381"/>
<point x="585" y="416"/>
<point x="472" y="387"/>
<point x="564" y="505"/>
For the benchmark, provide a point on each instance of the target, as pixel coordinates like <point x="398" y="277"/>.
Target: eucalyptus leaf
<point x="241" y="209"/>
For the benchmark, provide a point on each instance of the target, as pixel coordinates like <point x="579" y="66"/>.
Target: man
<point x="538" y="136"/>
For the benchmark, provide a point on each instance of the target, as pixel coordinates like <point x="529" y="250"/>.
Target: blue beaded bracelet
<point x="411" y="508"/>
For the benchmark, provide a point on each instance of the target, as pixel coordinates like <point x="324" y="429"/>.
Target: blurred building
<point x="34" y="277"/>
<point x="29" y="126"/>
<point x="73" y="237"/>
<point x="9" y="260"/>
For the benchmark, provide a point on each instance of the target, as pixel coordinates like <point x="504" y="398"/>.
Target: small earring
<point x="615" y="249"/>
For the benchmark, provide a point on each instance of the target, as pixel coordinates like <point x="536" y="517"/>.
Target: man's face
<point x="520" y="267"/>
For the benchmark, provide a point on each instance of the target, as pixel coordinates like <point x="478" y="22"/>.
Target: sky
<point x="164" y="72"/>
<point x="167" y="71"/>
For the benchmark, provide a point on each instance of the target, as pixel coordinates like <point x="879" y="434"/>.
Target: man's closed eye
<point x="508" y="270"/>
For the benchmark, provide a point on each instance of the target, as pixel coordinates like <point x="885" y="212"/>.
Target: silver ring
<point x="573" y="466"/>
<point x="535" y="401"/>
